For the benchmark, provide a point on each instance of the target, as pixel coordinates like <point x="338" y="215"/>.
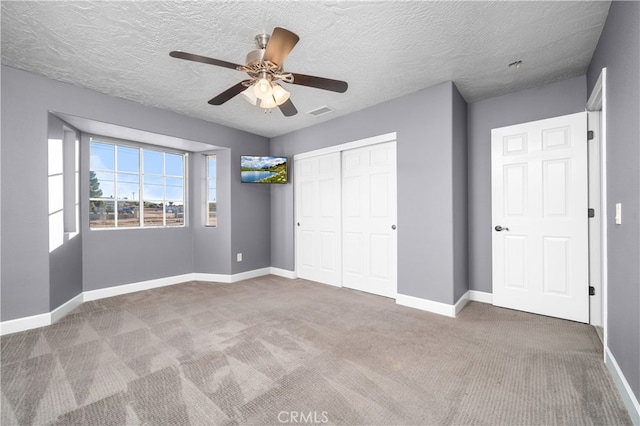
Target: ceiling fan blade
<point x="203" y="59"/>
<point x="320" y="83"/>
<point x="288" y="109"/>
<point x="229" y="93"/>
<point x="280" y="45"/>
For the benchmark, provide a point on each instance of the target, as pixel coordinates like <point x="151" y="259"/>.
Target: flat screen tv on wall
<point x="263" y="169"/>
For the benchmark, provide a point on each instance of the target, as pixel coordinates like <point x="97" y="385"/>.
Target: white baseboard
<point x="133" y="287"/>
<point x="40" y="320"/>
<point x="25" y="323"/>
<point x="66" y="307"/>
<point x="426" y="305"/>
<point x="283" y="273"/>
<point x="215" y="278"/>
<point x="629" y="399"/>
<point x="480" y="296"/>
<point x="250" y="274"/>
<point x="461" y="303"/>
<point x="220" y="278"/>
<point x="438" y="307"/>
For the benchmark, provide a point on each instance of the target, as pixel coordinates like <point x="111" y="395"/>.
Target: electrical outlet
<point x="239" y="257"/>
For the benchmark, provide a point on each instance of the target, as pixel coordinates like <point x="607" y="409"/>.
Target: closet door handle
<point x="393" y="227"/>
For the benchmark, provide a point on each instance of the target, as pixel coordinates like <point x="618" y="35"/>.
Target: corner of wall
<point x="460" y="194"/>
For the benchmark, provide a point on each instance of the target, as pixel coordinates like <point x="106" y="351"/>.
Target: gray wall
<point x="206" y="256"/>
<point x="250" y="239"/>
<point x="424" y="124"/>
<point x="65" y="262"/>
<point x="25" y="226"/>
<point x="254" y="202"/>
<point x="561" y="98"/>
<point x="619" y="51"/>
<point x="118" y="257"/>
<point x="460" y="205"/>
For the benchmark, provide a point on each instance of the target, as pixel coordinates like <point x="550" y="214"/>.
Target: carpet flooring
<point x="271" y="351"/>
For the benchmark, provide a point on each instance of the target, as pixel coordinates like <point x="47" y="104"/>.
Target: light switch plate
<point x="618" y="213"/>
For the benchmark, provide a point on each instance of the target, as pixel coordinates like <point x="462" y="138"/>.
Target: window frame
<point x="207" y="180"/>
<point x="141" y="147"/>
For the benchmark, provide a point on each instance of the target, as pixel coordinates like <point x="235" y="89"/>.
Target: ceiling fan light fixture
<point x="268" y="103"/>
<point x="280" y="95"/>
<point x="250" y="96"/>
<point x="263" y="89"/>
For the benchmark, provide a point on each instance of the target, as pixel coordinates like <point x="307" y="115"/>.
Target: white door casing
<point x="595" y="222"/>
<point x="369" y="236"/>
<point x="539" y="195"/>
<point x="317" y="198"/>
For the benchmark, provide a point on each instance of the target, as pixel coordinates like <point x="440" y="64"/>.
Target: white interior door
<point x="539" y="187"/>
<point x="317" y="195"/>
<point x="369" y="239"/>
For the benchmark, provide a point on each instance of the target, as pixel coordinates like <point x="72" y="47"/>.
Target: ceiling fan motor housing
<point x="255" y="56"/>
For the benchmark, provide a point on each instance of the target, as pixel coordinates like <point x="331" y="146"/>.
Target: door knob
<point x="500" y="228"/>
<point x="393" y="227"/>
<point x="298" y="223"/>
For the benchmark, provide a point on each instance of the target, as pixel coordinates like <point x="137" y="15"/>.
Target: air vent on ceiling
<point x="320" y="111"/>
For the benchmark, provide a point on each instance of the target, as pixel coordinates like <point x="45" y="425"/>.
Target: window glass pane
<point x="153" y="162"/>
<point x="128" y="186"/>
<point x="153" y="180"/>
<point x="128" y="159"/>
<point x="173" y="164"/>
<point x="103" y="185"/>
<point x="178" y="182"/>
<point x="175" y="193"/>
<point x="153" y="211"/>
<point x="101" y="214"/>
<point x="128" y="214"/>
<point x="175" y="214"/>
<point x="174" y="189"/>
<point x="153" y="192"/>
<point x="211" y="166"/>
<point x="56" y="193"/>
<point x="212" y="219"/>
<point x="102" y="156"/>
<point x="160" y="184"/>
<point x="94" y="185"/>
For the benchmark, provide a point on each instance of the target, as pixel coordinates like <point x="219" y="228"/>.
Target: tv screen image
<point x="263" y="169"/>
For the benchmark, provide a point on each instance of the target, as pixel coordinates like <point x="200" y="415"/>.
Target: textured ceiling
<point x="382" y="49"/>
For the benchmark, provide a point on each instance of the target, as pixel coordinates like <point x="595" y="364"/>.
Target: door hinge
<point x="592" y="290"/>
<point x="591" y="212"/>
<point x="590" y="135"/>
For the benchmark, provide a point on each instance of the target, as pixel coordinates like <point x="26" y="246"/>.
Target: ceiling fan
<point x="265" y="67"/>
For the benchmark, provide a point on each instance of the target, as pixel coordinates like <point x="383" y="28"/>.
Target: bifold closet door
<point x="317" y="198"/>
<point x="369" y="239"/>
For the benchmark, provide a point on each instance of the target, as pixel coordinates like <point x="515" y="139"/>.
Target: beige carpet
<point x="279" y="351"/>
